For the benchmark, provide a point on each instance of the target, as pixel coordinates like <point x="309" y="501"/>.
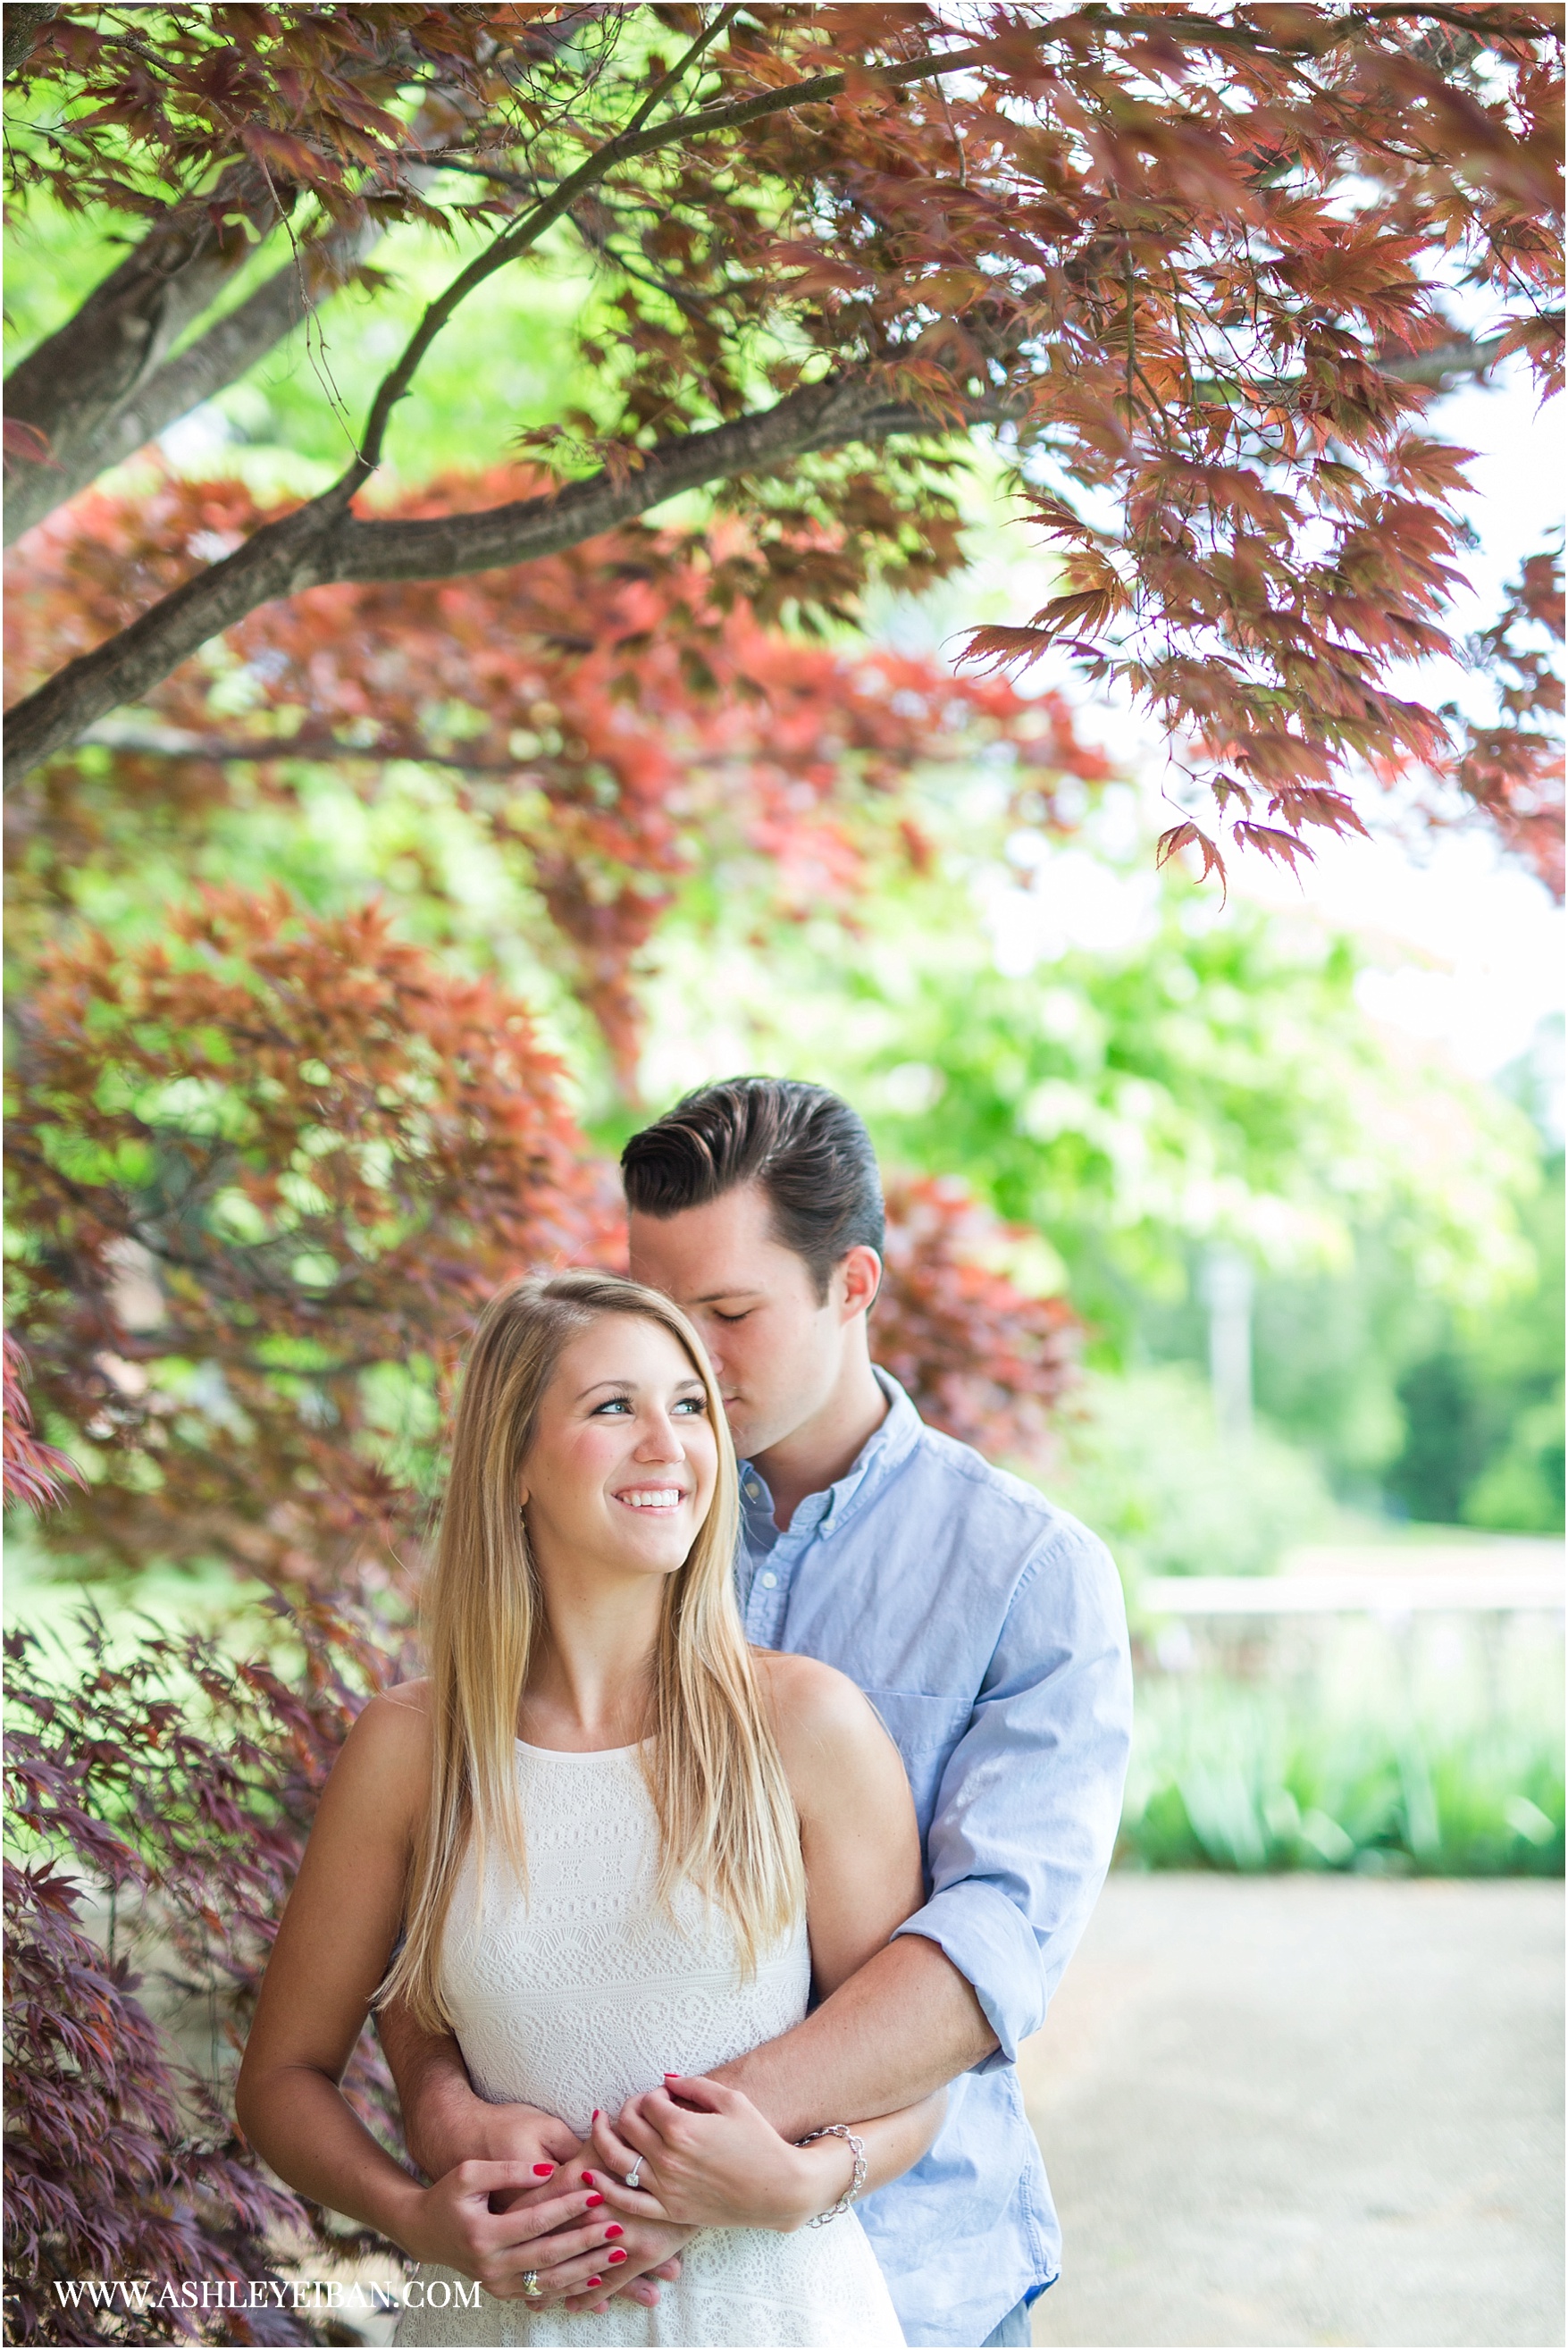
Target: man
<point x="987" y="1628"/>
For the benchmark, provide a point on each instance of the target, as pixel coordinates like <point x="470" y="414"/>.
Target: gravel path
<point x="1307" y="2109"/>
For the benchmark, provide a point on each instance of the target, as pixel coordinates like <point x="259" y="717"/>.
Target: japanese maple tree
<point x="265" y="1170"/>
<point x="1195" y="273"/>
<point x="616" y="719"/>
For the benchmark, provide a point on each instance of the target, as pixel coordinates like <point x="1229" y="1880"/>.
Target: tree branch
<point x="623" y="148"/>
<point x="71" y="386"/>
<point x="323" y="542"/>
<point x="1463" y="357"/>
<point x="229" y="350"/>
<point x="24" y="22"/>
<point x="682" y="66"/>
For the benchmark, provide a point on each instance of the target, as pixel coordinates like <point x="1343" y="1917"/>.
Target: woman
<point x="621" y="1847"/>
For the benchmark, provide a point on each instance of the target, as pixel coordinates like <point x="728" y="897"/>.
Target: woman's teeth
<point x="668" y="1497"/>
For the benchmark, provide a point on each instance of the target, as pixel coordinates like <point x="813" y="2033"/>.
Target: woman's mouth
<point x="652" y="1497"/>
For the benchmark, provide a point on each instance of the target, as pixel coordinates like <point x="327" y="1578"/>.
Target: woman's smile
<point x="651" y="1497"/>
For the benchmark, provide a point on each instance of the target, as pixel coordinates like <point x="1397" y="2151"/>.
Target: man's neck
<point x="825" y="1448"/>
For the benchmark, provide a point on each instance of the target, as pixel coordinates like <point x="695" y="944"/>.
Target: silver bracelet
<point x="857" y="2148"/>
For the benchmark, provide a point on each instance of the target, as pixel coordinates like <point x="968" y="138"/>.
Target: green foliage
<point x="1184" y="1076"/>
<point x="1485" y="1408"/>
<point x="1145" y="1467"/>
<point x="1229" y="1775"/>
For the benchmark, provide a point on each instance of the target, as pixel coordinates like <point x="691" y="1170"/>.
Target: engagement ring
<point x="531" y="2287"/>
<point x="635" y="2172"/>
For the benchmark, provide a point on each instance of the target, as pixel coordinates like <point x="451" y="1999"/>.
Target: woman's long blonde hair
<point x="727" y="1822"/>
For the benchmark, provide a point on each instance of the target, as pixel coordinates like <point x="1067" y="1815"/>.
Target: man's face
<point x="776" y="1348"/>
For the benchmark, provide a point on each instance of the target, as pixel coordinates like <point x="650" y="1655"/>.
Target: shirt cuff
<point x="994" y="1949"/>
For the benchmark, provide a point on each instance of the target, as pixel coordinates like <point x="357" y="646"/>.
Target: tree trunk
<point x="109" y="420"/>
<point x="22" y="23"/>
<point x="73" y="384"/>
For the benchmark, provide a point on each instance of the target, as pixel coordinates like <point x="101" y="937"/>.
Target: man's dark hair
<point x="809" y="1150"/>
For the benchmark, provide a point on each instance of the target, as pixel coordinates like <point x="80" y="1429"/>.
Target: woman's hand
<point x="452" y="2223"/>
<point x="710" y="2160"/>
<point x="617" y="2255"/>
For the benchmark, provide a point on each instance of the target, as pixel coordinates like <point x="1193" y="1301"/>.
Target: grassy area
<point x="1382" y="1766"/>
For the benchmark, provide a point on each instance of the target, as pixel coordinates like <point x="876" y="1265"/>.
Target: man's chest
<point x="902" y="1626"/>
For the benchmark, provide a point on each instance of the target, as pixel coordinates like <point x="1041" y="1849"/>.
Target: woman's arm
<point x="710" y="2160"/>
<point x="331" y="1952"/>
<point x="710" y="2157"/>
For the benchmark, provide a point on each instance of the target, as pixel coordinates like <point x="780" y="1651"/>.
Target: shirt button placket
<point x="774" y="1578"/>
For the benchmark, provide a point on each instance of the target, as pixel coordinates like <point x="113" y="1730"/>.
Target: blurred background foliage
<point x="1212" y="1077"/>
<point x="1387" y="1751"/>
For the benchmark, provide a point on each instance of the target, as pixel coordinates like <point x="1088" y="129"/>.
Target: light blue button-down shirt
<point x="987" y="1630"/>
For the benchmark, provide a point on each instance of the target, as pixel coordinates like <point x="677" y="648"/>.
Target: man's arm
<point x="445" y="2121"/>
<point x="1020" y="1841"/>
<point x="906" y="2023"/>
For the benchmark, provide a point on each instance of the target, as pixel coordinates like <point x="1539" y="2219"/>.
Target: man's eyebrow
<point x="713" y="1296"/>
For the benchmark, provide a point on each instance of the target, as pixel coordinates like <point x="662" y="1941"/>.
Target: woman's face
<point x="622" y="1471"/>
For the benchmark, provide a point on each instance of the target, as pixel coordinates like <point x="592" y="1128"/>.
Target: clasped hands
<point x="559" y="2207"/>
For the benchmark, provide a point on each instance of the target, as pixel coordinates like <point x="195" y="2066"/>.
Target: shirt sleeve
<point x="1028" y="1806"/>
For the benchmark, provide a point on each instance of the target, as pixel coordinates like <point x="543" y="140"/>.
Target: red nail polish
<point x="616" y="2256"/>
<point x="587" y="2179"/>
<point x="596" y="2113"/>
<point x="674" y="2076"/>
<point x="616" y="2231"/>
<point x="593" y="2199"/>
<point x="544" y="2170"/>
<point x="593" y="2280"/>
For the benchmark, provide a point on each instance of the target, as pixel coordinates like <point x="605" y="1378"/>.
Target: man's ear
<point x="861" y="1275"/>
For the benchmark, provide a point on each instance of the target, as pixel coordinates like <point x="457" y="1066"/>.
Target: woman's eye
<point x="693" y="1403"/>
<point x="612" y="1403"/>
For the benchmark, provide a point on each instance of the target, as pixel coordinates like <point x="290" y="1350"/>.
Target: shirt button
<point x="769" y="1581"/>
<point x="753" y="1490"/>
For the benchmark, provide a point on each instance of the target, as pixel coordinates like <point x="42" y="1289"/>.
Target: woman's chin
<point x="661" y="1549"/>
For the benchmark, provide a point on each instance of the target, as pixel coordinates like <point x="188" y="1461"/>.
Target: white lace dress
<point x="585" y="1993"/>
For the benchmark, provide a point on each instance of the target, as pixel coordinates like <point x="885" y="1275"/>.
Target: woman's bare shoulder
<point x="821" y="1717"/>
<point x="391" y="1737"/>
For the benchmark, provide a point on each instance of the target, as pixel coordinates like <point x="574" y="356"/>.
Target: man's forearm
<point x="906" y="2024"/>
<point x="441" y="2125"/>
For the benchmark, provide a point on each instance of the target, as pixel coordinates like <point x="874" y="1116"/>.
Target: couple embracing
<point x="701" y="1976"/>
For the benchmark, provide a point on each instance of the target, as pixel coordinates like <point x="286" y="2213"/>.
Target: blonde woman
<point x="622" y="1848"/>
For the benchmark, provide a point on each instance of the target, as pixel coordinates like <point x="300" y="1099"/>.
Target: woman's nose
<point x="661" y="1441"/>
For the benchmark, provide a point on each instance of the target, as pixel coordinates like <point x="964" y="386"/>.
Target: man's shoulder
<point x="975" y="1488"/>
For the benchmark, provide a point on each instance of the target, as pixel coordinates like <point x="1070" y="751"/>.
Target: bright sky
<point x="1468" y="947"/>
<point x="1484" y="946"/>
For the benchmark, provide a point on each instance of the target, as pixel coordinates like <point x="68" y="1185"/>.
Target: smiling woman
<point x="618" y="1845"/>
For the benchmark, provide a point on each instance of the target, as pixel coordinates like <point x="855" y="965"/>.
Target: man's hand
<point x="524" y="2135"/>
<point x="445" y="2124"/>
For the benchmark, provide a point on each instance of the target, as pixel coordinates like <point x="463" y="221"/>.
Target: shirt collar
<point x="886" y="1446"/>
